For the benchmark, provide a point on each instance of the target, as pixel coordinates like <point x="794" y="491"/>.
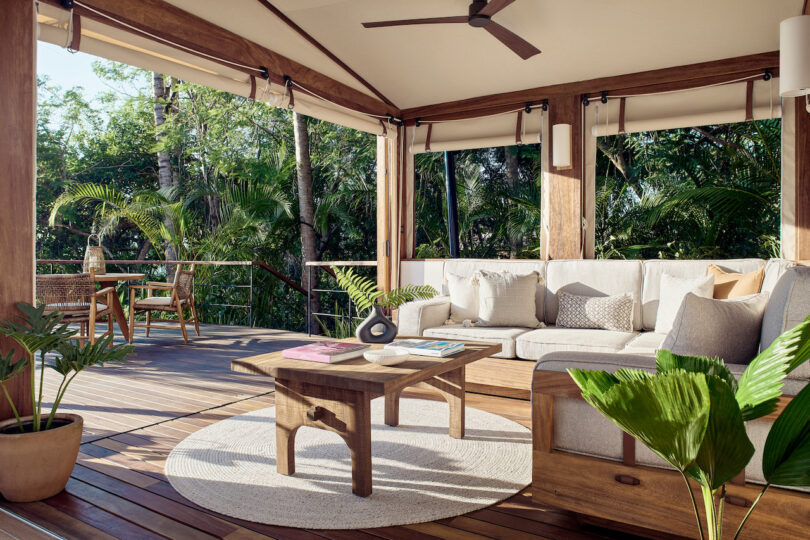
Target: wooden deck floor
<point x="136" y="413"/>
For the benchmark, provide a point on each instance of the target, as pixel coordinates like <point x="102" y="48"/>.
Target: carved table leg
<point x="451" y="386"/>
<point x="392" y="409"/>
<point x="345" y="412"/>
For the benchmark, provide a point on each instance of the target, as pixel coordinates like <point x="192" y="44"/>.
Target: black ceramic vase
<point x="376" y="328"/>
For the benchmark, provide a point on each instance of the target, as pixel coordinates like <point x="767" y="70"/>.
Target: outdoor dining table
<point x="111" y="280"/>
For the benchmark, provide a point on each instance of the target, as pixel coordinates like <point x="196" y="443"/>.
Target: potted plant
<point x="38" y="451"/>
<point x="368" y="298"/>
<point x="692" y="413"/>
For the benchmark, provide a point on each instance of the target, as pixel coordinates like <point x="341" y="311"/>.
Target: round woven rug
<point x="419" y="473"/>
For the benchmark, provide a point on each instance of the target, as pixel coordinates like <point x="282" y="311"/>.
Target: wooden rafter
<point x="660" y="79"/>
<point x="317" y="44"/>
<point x="169" y="22"/>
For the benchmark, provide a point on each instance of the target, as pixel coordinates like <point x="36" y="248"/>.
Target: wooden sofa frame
<point x="639" y="496"/>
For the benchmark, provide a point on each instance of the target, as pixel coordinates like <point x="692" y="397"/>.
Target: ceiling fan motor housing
<point x="476" y="20"/>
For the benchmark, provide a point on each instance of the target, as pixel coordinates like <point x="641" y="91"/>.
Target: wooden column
<point x="17" y="173"/>
<point x="383" y="215"/>
<point x="407" y="231"/>
<point x="802" y="179"/>
<point x="562" y="191"/>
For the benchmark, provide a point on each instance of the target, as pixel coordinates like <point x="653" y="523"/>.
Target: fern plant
<point x="365" y="294"/>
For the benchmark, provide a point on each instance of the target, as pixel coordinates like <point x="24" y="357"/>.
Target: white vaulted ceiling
<point x="428" y="64"/>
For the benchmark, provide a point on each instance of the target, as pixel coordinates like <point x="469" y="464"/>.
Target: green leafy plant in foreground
<point x="692" y="413"/>
<point x="39" y="332"/>
<point x="365" y="294"/>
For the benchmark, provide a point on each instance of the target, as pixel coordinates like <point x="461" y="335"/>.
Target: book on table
<point x="426" y="347"/>
<point x="326" y="352"/>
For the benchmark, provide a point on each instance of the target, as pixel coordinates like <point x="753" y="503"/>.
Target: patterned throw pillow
<point x="606" y="312"/>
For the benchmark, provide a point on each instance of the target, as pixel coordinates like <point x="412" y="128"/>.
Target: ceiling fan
<point x="480" y="16"/>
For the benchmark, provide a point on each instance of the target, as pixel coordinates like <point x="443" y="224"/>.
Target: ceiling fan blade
<point x="407" y="22"/>
<point x="520" y="46"/>
<point x="494" y="6"/>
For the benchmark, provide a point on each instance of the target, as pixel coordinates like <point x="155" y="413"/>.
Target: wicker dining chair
<point x="181" y="297"/>
<point x="75" y="296"/>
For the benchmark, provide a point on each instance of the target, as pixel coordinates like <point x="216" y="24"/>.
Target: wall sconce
<point x="794" y="58"/>
<point x="561" y="146"/>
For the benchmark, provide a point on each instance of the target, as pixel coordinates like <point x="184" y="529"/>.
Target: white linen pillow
<point x="726" y="329"/>
<point x="463" y="293"/>
<point x="606" y="312"/>
<point x="673" y="289"/>
<point x="506" y="299"/>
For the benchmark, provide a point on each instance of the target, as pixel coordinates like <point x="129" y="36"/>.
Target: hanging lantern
<point x="94" y="257"/>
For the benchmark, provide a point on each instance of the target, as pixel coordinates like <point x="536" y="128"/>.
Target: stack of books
<point x="326" y="352"/>
<point x="425" y="347"/>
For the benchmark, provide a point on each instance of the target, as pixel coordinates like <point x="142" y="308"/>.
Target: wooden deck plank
<point x="57" y="522"/>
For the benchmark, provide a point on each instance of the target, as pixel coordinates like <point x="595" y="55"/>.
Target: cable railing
<point x="347" y="317"/>
<point x="160" y="269"/>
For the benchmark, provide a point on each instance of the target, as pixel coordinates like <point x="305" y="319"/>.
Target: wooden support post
<point x="795" y="233"/>
<point x="562" y="190"/>
<point x="802" y="179"/>
<point x="383" y="214"/>
<point x="407" y="243"/>
<point x="17" y="174"/>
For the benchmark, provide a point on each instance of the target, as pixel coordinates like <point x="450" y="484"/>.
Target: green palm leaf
<point x="786" y="458"/>
<point x="761" y="383"/>
<point x="668" y="412"/>
<point x="725" y="449"/>
<point x="666" y="361"/>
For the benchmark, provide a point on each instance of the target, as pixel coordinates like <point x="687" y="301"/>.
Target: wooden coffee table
<point x="337" y="397"/>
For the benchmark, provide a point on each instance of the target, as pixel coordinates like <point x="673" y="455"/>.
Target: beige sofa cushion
<point x="468" y="267"/>
<point x="644" y="343"/>
<point x="463" y="292"/>
<point x="655" y="268"/>
<point x="593" y="278"/>
<point x="774" y="269"/>
<point x="506" y="299"/>
<point x="788" y="306"/>
<point x="673" y="291"/>
<point x="605" y="312"/>
<point x="495" y="334"/>
<point x="726" y="329"/>
<point x="532" y="345"/>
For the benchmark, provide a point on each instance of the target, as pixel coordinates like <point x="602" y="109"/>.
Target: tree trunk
<point x="165" y="177"/>
<point x="306" y="210"/>
<point x="512" y="177"/>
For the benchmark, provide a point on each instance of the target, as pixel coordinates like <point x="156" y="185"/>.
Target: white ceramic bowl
<point x="386" y="357"/>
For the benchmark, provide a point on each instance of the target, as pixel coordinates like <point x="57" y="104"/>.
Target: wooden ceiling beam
<point x="169" y="22"/>
<point x="688" y="76"/>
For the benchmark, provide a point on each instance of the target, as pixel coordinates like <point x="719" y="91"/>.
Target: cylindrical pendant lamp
<point x="561" y="146"/>
<point x="794" y="56"/>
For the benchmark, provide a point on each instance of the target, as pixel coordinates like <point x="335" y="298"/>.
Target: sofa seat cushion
<point x="581" y="429"/>
<point x="532" y="345"/>
<point x="504" y="335"/>
<point x="644" y="343"/>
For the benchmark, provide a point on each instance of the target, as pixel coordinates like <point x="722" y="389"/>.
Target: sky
<point x="69" y="69"/>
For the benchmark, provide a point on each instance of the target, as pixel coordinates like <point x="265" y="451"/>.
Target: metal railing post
<point x="250" y="299"/>
<point x="309" y="301"/>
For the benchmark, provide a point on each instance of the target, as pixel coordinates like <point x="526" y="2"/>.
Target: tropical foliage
<point x="39" y="332"/>
<point x="365" y="294"/>
<point x="692" y="413"/>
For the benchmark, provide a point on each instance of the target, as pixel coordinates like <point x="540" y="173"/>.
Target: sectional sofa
<point x="582" y="462"/>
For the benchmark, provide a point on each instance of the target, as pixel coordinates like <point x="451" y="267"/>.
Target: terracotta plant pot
<point x="37" y="465"/>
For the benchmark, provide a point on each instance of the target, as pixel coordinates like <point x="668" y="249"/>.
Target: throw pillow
<point x="727" y="329"/>
<point x="606" y="312"/>
<point x="506" y="299"/>
<point x="734" y="285"/>
<point x="673" y="289"/>
<point x="463" y="293"/>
